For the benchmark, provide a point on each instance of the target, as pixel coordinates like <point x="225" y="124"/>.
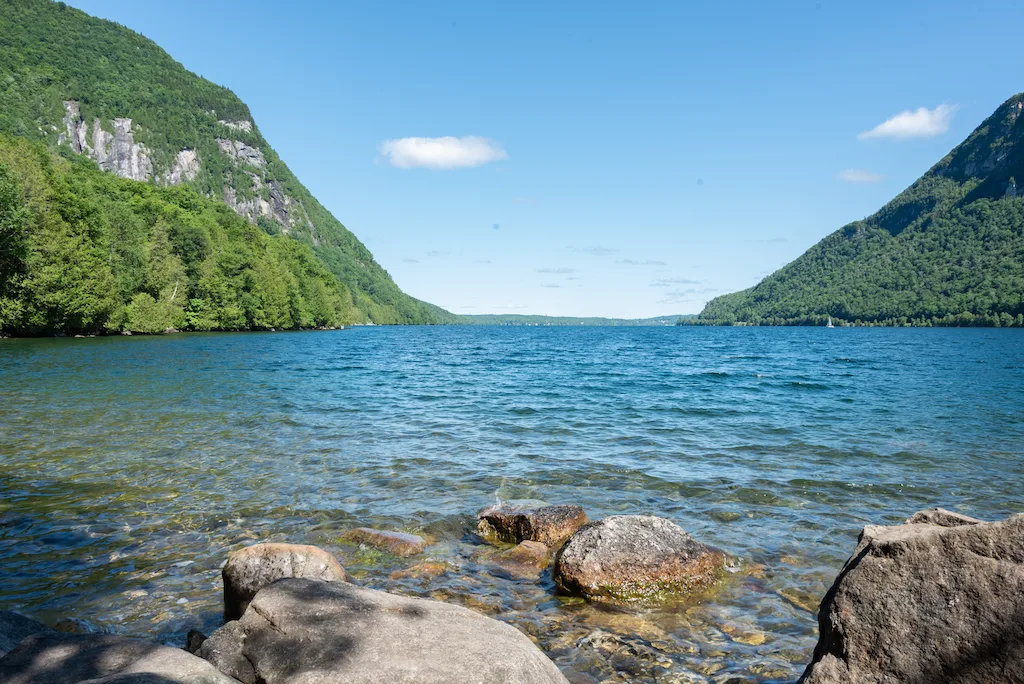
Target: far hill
<point x="92" y="88"/>
<point x="526" y="319"/>
<point x="949" y="250"/>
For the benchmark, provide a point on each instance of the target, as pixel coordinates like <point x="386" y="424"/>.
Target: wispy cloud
<point x="551" y="285"/>
<point x="482" y="261"/>
<point x="511" y="306"/>
<point x="595" y="251"/>
<point x="495" y="226"/>
<point x="669" y="282"/>
<point x="556" y="271"/>
<point x="649" y="262"/>
<point x="411" y="261"/>
<point x="573" y="278"/>
<point x="859" y="176"/>
<point x="920" y="123"/>
<point x="437" y="253"/>
<point x="687" y="295"/>
<point x="448" y="152"/>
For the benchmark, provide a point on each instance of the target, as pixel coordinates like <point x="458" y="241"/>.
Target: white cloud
<point x="448" y="152"/>
<point x="921" y="123"/>
<point x="859" y="176"/>
<point x="649" y="262"/>
<point x="556" y="271"/>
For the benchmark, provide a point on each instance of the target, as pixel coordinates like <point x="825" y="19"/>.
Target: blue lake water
<point x="130" y="467"/>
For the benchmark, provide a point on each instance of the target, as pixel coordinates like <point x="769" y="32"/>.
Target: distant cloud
<point x="595" y="251"/>
<point x="668" y="282"/>
<point x="687" y="295"/>
<point x="573" y="278"/>
<point x="550" y="285"/>
<point x="859" y="176"/>
<point x="482" y="261"/>
<point x="437" y="253"/>
<point x="649" y="262"/>
<point x="448" y="152"/>
<point x="496" y="226"/>
<point x="767" y="241"/>
<point x="921" y="123"/>
<point x="556" y="271"/>
<point x="411" y="261"/>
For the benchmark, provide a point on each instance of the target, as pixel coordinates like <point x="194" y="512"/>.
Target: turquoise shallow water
<point x="130" y="467"/>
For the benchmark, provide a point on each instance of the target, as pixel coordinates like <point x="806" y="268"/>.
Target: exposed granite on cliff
<point x="240" y="153"/>
<point x="116" y="152"/>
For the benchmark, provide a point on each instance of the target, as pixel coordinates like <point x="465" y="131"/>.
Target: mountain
<point x="89" y="87"/>
<point x="949" y="250"/>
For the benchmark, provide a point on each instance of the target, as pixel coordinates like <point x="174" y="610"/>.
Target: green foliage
<point x="51" y="53"/>
<point x="947" y="251"/>
<point x="84" y="251"/>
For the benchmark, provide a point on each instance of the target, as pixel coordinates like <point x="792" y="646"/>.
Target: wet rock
<point x="940" y="600"/>
<point x="250" y="569"/>
<point x="53" y="658"/>
<point x="516" y="521"/>
<point x="299" y="630"/>
<point x="194" y="640"/>
<point x="421" y="570"/>
<point x="15" y="627"/>
<point x="635" y="557"/>
<point x="397" y="543"/>
<point x="526" y="559"/>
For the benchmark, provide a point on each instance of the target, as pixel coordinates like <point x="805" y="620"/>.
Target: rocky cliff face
<point x="118" y="152"/>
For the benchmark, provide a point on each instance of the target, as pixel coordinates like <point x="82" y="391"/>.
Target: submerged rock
<point x="250" y="569"/>
<point x="516" y="521"/>
<point x="54" y="658"/>
<point x="299" y="630"/>
<point x="14" y="628"/>
<point x="937" y="599"/>
<point x="635" y="557"/>
<point x="526" y="559"/>
<point x="396" y="543"/>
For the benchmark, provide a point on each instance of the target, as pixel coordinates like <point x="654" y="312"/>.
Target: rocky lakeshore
<point x="937" y="598"/>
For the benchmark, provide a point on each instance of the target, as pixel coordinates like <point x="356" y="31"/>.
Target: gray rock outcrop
<point x="184" y="168"/>
<point x="937" y="599"/>
<point x="54" y="658"/>
<point x="250" y="569"/>
<point x="517" y="521"/>
<point x="297" y="631"/>
<point x="635" y="557"/>
<point x="241" y="153"/>
<point x="116" y="152"/>
<point x="14" y="628"/>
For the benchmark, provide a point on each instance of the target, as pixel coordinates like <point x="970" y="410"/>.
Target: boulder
<point x="54" y="658"/>
<point x="250" y="569"/>
<point x="516" y="521"/>
<point x="396" y="543"/>
<point x="15" y="627"/>
<point x="635" y="557"/>
<point x="300" y="630"/>
<point x="937" y="599"/>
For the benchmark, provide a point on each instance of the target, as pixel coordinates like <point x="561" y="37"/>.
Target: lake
<point x="131" y="466"/>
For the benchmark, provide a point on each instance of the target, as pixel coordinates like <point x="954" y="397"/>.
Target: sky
<point x="597" y="159"/>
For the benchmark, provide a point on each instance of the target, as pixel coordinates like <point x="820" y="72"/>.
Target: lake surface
<point x="131" y="467"/>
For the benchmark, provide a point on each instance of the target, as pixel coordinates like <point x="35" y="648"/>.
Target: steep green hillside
<point x="949" y="250"/>
<point x="97" y="89"/>
<point x="83" y="251"/>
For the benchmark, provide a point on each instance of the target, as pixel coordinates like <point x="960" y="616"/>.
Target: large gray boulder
<point x="250" y="569"/>
<point x="937" y="599"/>
<point x="635" y="557"/>
<point x="14" y="628"/>
<point x="299" y="631"/>
<point x="54" y="658"/>
<point x="517" y="521"/>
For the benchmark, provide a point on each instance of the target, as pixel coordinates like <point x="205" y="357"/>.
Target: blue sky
<point x="612" y="159"/>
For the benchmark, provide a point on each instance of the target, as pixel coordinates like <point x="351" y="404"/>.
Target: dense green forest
<point x="947" y="251"/>
<point x="83" y="251"/>
<point x="51" y="54"/>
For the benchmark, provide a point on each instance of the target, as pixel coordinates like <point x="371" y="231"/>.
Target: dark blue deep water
<point x="130" y="467"/>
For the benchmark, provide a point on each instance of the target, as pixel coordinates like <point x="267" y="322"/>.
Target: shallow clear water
<point x="130" y="467"/>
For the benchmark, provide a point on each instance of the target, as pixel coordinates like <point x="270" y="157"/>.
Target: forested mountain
<point x="90" y="88"/>
<point x="949" y="250"/>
